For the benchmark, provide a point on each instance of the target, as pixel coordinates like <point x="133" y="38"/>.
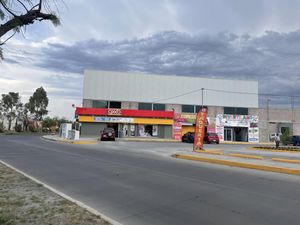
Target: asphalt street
<point x="133" y="183"/>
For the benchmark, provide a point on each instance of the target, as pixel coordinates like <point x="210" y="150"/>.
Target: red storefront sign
<point x="177" y="127"/>
<point x="124" y="112"/>
<point x="114" y="112"/>
<point x="200" y="129"/>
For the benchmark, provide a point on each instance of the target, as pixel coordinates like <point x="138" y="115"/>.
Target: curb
<point x="297" y="161"/>
<point x="78" y="142"/>
<point x="150" y="140"/>
<point x="273" y="150"/>
<point x="80" y="204"/>
<point x="246" y="156"/>
<point x="241" y="165"/>
<point x="210" y="152"/>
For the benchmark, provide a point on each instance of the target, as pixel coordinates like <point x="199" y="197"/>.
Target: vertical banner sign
<point x="200" y="129"/>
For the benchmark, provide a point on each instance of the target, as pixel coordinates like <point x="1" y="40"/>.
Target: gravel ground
<point x="24" y="202"/>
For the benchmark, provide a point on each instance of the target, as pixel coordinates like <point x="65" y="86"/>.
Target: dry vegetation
<point x="23" y="201"/>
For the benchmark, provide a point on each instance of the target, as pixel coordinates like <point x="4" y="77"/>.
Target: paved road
<point x="136" y="187"/>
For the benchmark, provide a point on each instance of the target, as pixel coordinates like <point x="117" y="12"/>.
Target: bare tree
<point x="17" y="14"/>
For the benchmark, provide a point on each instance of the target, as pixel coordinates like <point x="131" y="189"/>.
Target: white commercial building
<point x="136" y="104"/>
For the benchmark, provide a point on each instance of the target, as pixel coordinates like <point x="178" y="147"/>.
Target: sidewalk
<point x="62" y="140"/>
<point x="148" y="139"/>
<point x="257" y="162"/>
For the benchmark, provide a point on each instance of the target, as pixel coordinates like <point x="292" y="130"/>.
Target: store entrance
<point x="236" y="134"/>
<point x="228" y="134"/>
<point x="241" y="134"/>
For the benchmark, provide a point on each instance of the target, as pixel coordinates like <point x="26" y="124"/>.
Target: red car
<point x="108" y="134"/>
<point x="211" y="138"/>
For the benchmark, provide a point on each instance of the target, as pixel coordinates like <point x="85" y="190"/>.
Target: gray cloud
<point x="272" y="59"/>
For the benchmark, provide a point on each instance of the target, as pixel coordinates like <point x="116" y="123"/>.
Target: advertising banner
<point x="113" y="119"/>
<point x="235" y="120"/>
<point x="177" y="127"/>
<point x="188" y="118"/>
<point x="200" y="129"/>
<point x="185" y="118"/>
<point x="253" y="134"/>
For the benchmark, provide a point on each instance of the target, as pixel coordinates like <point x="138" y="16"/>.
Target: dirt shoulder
<point x="23" y="201"/>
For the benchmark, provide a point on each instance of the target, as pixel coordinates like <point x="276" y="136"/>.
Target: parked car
<point x="188" y="137"/>
<point x="296" y="140"/>
<point x="108" y="134"/>
<point x="211" y="138"/>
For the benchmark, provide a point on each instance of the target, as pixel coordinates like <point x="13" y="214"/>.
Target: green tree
<point x="17" y="14"/>
<point x="38" y="103"/>
<point x="49" y="122"/>
<point x="10" y="105"/>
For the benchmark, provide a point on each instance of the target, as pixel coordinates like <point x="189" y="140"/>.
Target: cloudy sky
<point x="256" y="40"/>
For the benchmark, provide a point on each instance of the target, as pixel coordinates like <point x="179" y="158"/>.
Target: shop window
<point x="242" y="111"/>
<point x="235" y="111"/>
<point x="159" y="107"/>
<point x="145" y="106"/>
<point x="199" y="107"/>
<point x="187" y="108"/>
<point x="100" y="104"/>
<point x="115" y="105"/>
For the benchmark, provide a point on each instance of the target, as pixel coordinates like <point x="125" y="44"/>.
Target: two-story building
<point x="164" y="106"/>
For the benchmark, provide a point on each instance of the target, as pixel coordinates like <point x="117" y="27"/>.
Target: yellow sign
<point x="152" y="121"/>
<point x="134" y="121"/>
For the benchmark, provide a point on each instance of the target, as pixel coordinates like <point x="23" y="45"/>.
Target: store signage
<point x="114" y="112"/>
<point x="185" y="118"/>
<point x="113" y="119"/>
<point x="253" y="134"/>
<point x="177" y="128"/>
<point x="249" y="121"/>
<point x="235" y="120"/>
<point x="200" y="129"/>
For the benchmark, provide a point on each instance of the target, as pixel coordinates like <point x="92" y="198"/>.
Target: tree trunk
<point x="9" y="124"/>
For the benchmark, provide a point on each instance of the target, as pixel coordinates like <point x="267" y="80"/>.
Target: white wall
<point x="133" y="87"/>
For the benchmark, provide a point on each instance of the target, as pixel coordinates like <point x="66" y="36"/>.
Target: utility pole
<point x="293" y="107"/>
<point x="268" y="109"/>
<point x="202" y="90"/>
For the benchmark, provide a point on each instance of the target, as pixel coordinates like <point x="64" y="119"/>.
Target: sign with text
<point x="177" y="127"/>
<point x="114" y="112"/>
<point x="200" y="129"/>
<point x="113" y="119"/>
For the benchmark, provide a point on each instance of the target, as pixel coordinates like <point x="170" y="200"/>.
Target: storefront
<point x="126" y="123"/>
<point x="237" y="128"/>
<point x="185" y="122"/>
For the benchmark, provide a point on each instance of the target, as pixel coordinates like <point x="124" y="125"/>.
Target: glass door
<point x="228" y="134"/>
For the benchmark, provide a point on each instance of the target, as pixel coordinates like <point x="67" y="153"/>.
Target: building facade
<point x="147" y="105"/>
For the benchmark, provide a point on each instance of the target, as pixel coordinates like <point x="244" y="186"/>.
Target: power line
<point x="230" y="92"/>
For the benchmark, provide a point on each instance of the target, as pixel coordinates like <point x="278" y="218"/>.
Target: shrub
<point x="2" y="128"/>
<point x="32" y="128"/>
<point x="18" y="128"/>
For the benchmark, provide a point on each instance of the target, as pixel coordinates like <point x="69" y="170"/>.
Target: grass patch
<point x="23" y="201"/>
